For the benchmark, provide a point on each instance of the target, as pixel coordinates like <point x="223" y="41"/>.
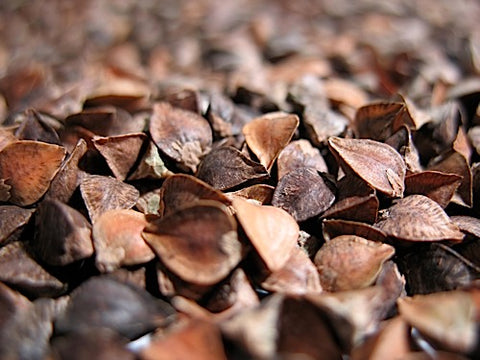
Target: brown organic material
<point x="232" y="296"/>
<point x="350" y="262"/>
<point x="171" y="285"/>
<point x="224" y="116"/>
<point x="283" y="325"/>
<point x="392" y="282"/>
<point x="378" y="121"/>
<point x="199" y="154"/>
<point x="183" y="135"/>
<point x="321" y="123"/>
<point x="198" y="243"/>
<point x="12" y="306"/>
<point x="437" y="137"/>
<point x="136" y="276"/>
<point x="467" y="224"/>
<point x="300" y="153"/>
<point x="226" y="167"/>
<point x="473" y="136"/>
<point x="12" y="218"/>
<point x="272" y="231"/>
<point x="117" y="238"/>
<point x="378" y="164"/>
<point x="181" y="190"/>
<point x="447" y="318"/>
<point x="4" y="191"/>
<point x="418" y="218"/>
<point x="130" y="103"/>
<point x="260" y="192"/>
<point x="104" y="121"/>
<point x="67" y="179"/>
<point x="455" y="163"/>
<point x="462" y="145"/>
<point x="18" y="269"/>
<point x="120" y="152"/>
<point x="355" y="314"/>
<point x="308" y="243"/>
<point x="151" y="166"/>
<point x="332" y="228"/>
<point x="351" y="185"/>
<point x="355" y="208"/>
<point x="300" y="326"/>
<point x="12" y="302"/>
<point x="391" y="341"/>
<point x="64" y="234"/>
<point x="255" y="329"/>
<point x="436" y="267"/>
<point x="440" y="355"/>
<point x="299" y="66"/>
<point x="187" y="99"/>
<point x="438" y="186"/>
<point x="35" y="126"/>
<point x="102" y="193"/>
<point x="298" y="277"/>
<point x="196" y="340"/>
<point x="345" y="92"/>
<point x="102" y="302"/>
<point x="190" y="308"/>
<point x="307" y="90"/>
<point x="27" y="328"/>
<point x="29" y="167"/>
<point x="6" y="137"/>
<point x="96" y="344"/>
<point x="303" y="193"/>
<point x="267" y="135"/>
<point x="402" y="142"/>
<point x="149" y="202"/>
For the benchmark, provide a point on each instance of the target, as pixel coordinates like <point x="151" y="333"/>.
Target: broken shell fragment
<point x="448" y="318"/>
<point x="29" y="167"/>
<point x="418" y="218"/>
<point x="227" y="167"/>
<point x="67" y="178"/>
<point x="280" y="326"/>
<point x="64" y="234"/>
<point x="102" y="193"/>
<point x="272" y="231"/>
<point x="198" y="243"/>
<point x="19" y="270"/>
<point x="436" y="185"/>
<point x="151" y="165"/>
<point x="300" y="153"/>
<point x="303" y="193"/>
<point x="232" y="296"/>
<point x="436" y="267"/>
<point x="380" y="165"/>
<point x="355" y="208"/>
<point x="390" y="341"/>
<point x="182" y="190"/>
<point x="102" y="302"/>
<point x="299" y="276"/>
<point x="120" y="152"/>
<point x="262" y="193"/>
<point x="267" y="135"/>
<point x="350" y="262"/>
<point x="332" y="228"/>
<point x="182" y="135"/>
<point x="99" y="343"/>
<point x="12" y="218"/>
<point x="118" y="241"/>
<point x="455" y="163"/>
<point x="195" y="340"/>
